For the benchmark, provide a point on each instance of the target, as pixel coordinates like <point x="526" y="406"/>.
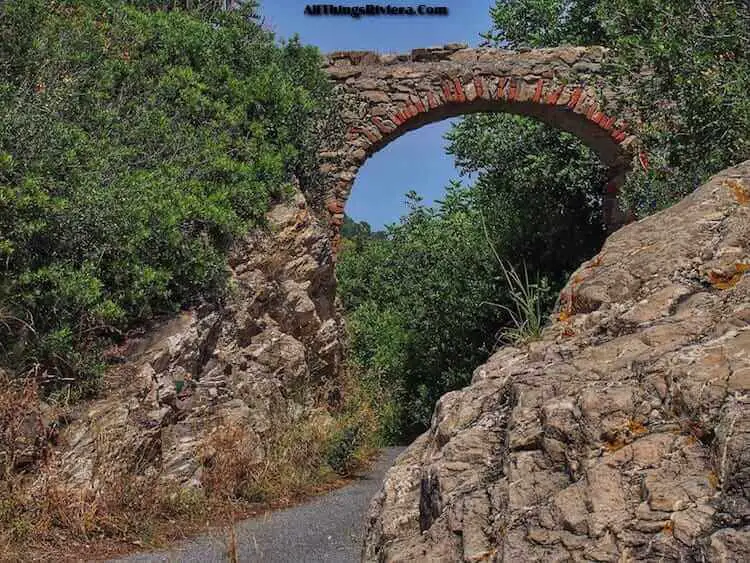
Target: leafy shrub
<point x="684" y="69"/>
<point x="693" y="104"/>
<point x="342" y="447"/>
<point x="418" y="301"/>
<point x="134" y="147"/>
<point x="538" y="189"/>
<point x="413" y="302"/>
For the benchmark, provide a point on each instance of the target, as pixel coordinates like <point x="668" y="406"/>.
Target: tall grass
<point x="43" y="518"/>
<point x="526" y="313"/>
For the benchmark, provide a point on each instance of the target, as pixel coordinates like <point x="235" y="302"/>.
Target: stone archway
<point x="382" y="97"/>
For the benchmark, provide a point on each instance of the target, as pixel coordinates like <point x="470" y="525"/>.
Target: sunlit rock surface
<point x="268" y="356"/>
<point x="623" y="435"/>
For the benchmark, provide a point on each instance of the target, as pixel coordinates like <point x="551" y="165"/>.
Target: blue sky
<point x="416" y="160"/>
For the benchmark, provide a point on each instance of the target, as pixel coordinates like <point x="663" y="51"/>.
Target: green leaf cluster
<point x="682" y="67"/>
<point x="428" y="303"/>
<point x="135" y="146"/>
<point x="414" y="299"/>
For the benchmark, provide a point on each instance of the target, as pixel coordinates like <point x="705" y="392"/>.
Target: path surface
<point x="328" y="528"/>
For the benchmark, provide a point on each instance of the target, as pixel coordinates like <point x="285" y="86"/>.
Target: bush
<point x="342" y="447"/>
<point x="683" y="68"/>
<point x="135" y="146"/>
<point x="415" y="322"/>
<point x="427" y="304"/>
<point x="693" y="106"/>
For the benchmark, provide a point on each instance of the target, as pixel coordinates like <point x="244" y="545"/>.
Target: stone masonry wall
<point x="383" y="96"/>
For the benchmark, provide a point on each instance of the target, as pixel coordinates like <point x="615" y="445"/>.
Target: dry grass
<point x="293" y="460"/>
<point x="232" y="554"/>
<point x="23" y="436"/>
<point x="42" y="521"/>
<point x="237" y="467"/>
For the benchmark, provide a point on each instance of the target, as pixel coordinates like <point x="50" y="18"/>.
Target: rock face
<point x="381" y="97"/>
<point x="267" y="357"/>
<point x="623" y="435"/>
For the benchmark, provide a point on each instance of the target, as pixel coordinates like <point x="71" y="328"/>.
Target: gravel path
<point x="328" y="528"/>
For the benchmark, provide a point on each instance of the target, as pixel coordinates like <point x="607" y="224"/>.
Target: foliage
<point x="357" y="230"/>
<point x="683" y="67"/>
<point x="355" y="434"/>
<point x="201" y="6"/>
<point x="134" y="146"/>
<point x="415" y="322"/>
<point x="417" y="301"/>
<point x="344" y="444"/>
<point x="527" y="314"/>
<point x="693" y="104"/>
<point x="538" y="189"/>
<point x="541" y="23"/>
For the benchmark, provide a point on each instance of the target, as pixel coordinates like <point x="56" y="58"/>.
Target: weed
<point x="528" y="298"/>
<point x="527" y="314"/>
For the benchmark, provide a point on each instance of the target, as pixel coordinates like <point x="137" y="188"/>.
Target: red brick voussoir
<point x="384" y="95"/>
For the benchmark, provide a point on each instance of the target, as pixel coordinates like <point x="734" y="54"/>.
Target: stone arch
<point x="381" y="97"/>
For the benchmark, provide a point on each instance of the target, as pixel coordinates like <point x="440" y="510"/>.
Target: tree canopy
<point x="135" y="145"/>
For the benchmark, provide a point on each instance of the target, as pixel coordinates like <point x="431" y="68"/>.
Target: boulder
<point x="622" y="435"/>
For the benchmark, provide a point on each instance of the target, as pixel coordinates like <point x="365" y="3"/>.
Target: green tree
<point x="693" y="104"/>
<point x="538" y="190"/>
<point x="545" y="23"/>
<point x="417" y="320"/>
<point x="683" y="67"/>
<point x="134" y="147"/>
<point x="427" y="305"/>
<point x="355" y="230"/>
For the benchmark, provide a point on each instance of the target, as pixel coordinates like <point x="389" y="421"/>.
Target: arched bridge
<point x="381" y="97"/>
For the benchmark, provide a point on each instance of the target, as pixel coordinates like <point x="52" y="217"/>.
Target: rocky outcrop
<point x="623" y="435"/>
<point x="269" y="355"/>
